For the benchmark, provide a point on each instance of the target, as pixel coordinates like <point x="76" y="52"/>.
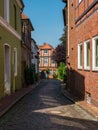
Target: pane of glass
<point x="45" y="51"/>
<point x="79" y="1"/>
<point x="88" y="54"/>
<point x="45" y="60"/>
<point x="96" y="42"/>
<point x="80" y="55"/>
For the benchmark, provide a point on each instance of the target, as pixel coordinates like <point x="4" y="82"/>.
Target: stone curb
<point x="72" y="100"/>
<point x="68" y="97"/>
<point x="17" y="99"/>
<point x="78" y="104"/>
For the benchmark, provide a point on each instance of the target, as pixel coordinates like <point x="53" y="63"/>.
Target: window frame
<point x="15" y="62"/>
<point x="52" y="61"/>
<point x="45" y="60"/>
<point x="15" y="17"/>
<point x="79" y="64"/>
<point x="94" y="67"/>
<point x="86" y="67"/>
<point x="79" y="1"/>
<point x="46" y="51"/>
<point x="6" y="10"/>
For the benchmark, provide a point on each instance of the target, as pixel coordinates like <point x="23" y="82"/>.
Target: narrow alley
<point x="45" y="108"/>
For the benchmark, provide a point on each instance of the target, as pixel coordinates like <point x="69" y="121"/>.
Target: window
<point x="95" y="52"/>
<point x="45" y="51"/>
<point x="15" y="61"/>
<point x="80" y="56"/>
<point x="80" y="1"/>
<point x="15" y="17"/>
<point x="87" y="55"/>
<point x="52" y="61"/>
<point x="40" y="60"/>
<point x="45" y="60"/>
<point x="6" y="10"/>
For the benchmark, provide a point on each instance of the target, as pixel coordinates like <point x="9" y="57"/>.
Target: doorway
<point x="7" y="84"/>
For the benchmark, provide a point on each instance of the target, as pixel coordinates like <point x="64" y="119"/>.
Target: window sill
<point x="80" y="67"/>
<point x="87" y="68"/>
<point x="95" y="69"/>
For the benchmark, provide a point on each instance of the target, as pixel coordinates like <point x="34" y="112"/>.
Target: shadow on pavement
<point x="48" y="95"/>
<point x="42" y="109"/>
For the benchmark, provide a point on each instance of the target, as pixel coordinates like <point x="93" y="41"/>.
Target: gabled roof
<point x="35" y="43"/>
<point x="24" y="17"/>
<point x="46" y="46"/>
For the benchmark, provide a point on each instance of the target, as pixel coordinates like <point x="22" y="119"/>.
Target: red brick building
<point x="27" y="27"/>
<point x="81" y="20"/>
<point x="46" y="61"/>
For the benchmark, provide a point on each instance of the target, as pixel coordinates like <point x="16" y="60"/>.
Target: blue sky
<point x="47" y="20"/>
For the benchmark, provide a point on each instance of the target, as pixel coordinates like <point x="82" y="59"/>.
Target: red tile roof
<point x="46" y="46"/>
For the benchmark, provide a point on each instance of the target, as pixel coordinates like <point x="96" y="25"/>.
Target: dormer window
<point x="6" y="10"/>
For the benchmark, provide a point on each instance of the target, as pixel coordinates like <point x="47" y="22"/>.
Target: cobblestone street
<point x="45" y="108"/>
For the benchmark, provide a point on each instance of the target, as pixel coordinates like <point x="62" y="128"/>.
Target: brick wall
<point x="82" y="26"/>
<point x="86" y="29"/>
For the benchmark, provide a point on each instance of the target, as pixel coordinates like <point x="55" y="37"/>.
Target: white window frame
<point x="94" y="67"/>
<point x="6" y="10"/>
<point x="79" y="45"/>
<point x="15" y="61"/>
<point x="80" y="1"/>
<point x="85" y="55"/>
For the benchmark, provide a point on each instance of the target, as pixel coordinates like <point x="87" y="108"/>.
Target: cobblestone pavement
<point x="45" y="108"/>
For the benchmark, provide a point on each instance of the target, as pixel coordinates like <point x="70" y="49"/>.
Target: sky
<point x="47" y="19"/>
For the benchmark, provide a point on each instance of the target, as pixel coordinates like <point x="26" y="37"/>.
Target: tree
<point x="62" y="71"/>
<point x="59" y="55"/>
<point x="63" y="37"/>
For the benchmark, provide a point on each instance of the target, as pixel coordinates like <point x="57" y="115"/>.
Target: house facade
<point x="82" y="43"/>
<point x="35" y="55"/>
<point x="46" y="61"/>
<point x="10" y="46"/>
<point x="26" y="43"/>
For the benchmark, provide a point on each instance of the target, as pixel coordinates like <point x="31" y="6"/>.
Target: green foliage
<point x="47" y="72"/>
<point x="55" y="75"/>
<point x="60" y="54"/>
<point x="62" y="72"/>
<point x="36" y="76"/>
<point x="29" y="75"/>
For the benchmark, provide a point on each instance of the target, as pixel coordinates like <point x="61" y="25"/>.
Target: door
<point x="7" y="88"/>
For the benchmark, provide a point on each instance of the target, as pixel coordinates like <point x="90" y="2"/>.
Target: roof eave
<point x="20" y="3"/>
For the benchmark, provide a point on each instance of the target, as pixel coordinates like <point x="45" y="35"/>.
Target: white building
<point x="35" y="55"/>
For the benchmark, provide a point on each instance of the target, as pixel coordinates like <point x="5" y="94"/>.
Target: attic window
<point x="46" y="51"/>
